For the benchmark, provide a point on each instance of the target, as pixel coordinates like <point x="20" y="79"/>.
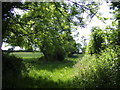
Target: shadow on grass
<point x="52" y="65"/>
<point x="74" y="56"/>
<point x="13" y="80"/>
<point x="29" y="82"/>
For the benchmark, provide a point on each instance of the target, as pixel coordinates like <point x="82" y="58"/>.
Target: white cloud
<point x="6" y="46"/>
<point x="104" y="10"/>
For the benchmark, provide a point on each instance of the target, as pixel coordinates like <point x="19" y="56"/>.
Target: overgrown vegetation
<point x="47" y="26"/>
<point x="12" y="69"/>
<point x="98" y="71"/>
<point x="38" y="73"/>
<point x="97" y="42"/>
<point x="100" y="66"/>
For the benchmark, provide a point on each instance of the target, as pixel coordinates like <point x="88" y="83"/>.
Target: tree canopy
<point x="46" y="26"/>
<point x="110" y="36"/>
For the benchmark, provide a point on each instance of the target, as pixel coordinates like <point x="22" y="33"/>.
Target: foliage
<point x="50" y="32"/>
<point x="12" y="63"/>
<point x="28" y="55"/>
<point x="7" y="9"/>
<point x="79" y="48"/>
<point x="97" y="42"/>
<point x="43" y="74"/>
<point x="116" y="7"/>
<point x="102" y="68"/>
<point x="47" y="26"/>
<point x="99" y="70"/>
<point x="12" y="66"/>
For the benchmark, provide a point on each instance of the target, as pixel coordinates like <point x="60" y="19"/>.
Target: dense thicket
<point x="12" y="68"/>
<point x="97" y="42"/>
<point x="102" y="67"/>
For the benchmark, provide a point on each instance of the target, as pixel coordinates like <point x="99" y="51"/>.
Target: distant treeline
<point x="19" y="51"/>
<point x="74" y="52"/>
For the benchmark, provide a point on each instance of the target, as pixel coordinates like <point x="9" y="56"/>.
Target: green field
<point x="46" y="73"/>
<point x="28" y="55"/>
<point x="78" y="71"/>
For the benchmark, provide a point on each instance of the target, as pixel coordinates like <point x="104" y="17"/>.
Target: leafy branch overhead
<point x="46" y="26"/>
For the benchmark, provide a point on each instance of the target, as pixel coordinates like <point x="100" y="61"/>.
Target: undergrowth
<point x="92" y="71"/>
<point x="12" y="69"/>
<point x="99" y="71"/>
<point x="34" y="73"/>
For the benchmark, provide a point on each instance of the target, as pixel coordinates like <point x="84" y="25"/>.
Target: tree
<point x="7" y="9"/>
<point x="46" y="26"/>
<point x="46" y="29"/>
<point x="117" y="15"/>
<point x="79" y="48"/>
<point x="97" y="42"/>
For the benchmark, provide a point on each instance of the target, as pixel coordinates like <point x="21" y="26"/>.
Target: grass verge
<point x="43" y="74"/>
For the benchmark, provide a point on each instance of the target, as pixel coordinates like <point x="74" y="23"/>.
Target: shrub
<point x="12" y="69"/>
<point x="99" y="70"/>
<point x="12" y="63"/>
<point x="97" y="42"/>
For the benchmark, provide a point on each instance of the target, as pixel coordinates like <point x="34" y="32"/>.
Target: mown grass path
<point x="46" y="73"/>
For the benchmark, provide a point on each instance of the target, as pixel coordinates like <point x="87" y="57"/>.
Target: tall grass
<point x="96" y="71"/>
<point x="12" y="69"/>
<point x="99" y="70"/>
<point x="41" y="74"/>
<point x="52" y="74"/>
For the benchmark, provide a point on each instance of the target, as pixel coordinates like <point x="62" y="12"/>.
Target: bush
<point x="12" y="69"/>
<point x="99" y="70"/>
<point x="12" y="63"/>
<point x="97" y="42"/>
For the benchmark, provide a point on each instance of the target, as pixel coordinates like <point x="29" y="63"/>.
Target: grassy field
<point x="78" y="71"/>
<point x="46" y="73"/>
<point x="28" y="55"/>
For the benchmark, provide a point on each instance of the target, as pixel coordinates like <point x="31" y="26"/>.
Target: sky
<point x="104" y="10"/>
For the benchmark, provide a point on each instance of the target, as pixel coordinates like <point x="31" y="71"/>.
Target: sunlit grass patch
<point x="28" y="55"/>
<point x="59" y="77"/>
<point x="98" y="70"/>
<point x="46" y="73"/>
<point x="53" y="70"/>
